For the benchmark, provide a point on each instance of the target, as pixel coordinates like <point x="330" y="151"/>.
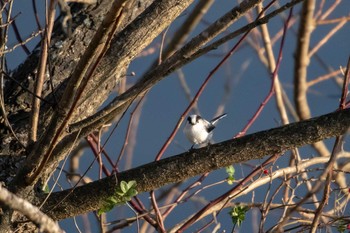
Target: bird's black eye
<point x="189" y="119"/>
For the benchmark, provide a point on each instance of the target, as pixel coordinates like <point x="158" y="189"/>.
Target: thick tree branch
<point x="189" y="164"/>
<point x="77" y="83"/>
<point x="185" y="55"/>
<point x="124" y="47"/>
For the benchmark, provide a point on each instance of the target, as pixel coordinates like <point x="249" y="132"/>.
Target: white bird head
<point x="193" y="119"/>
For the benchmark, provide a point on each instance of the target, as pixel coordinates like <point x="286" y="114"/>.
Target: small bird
<point x="199" y="130"/>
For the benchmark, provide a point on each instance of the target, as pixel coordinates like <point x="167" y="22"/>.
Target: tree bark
<point x="195" y="162"/>
<point x="140" y="22"/>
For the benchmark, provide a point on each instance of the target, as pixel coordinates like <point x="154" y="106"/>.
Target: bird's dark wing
<point x="207" y="125"/>
<point x="210" y="128"/>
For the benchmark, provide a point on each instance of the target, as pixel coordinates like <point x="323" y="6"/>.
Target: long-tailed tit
<point x="199" y="130"/>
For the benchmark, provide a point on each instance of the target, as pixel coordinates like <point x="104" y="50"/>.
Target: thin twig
<point x="3" y="42"/>
<point x="184" y="192"/>
<point x="17" y="34"/>
<point x="39" y="82"/>
<point x="201" y="89"/>
<point x="177" y="60"/>
<point x="126" y="139"/>
<point x="330" y="9"/>
<point x="332" y="74"/>
<point x="272" y="66"/>
<point x="31" y="37"/>
<point x="158" y="214"/>
<point x="337" y="148"/>
<point x="327" y="37"/>
<point x="32" y="212"/>
<point x="2" y="25"/>
<point x="273" y="82"/>
<point x="102" y="148"/>
<point x="331" y="21"/>
<point x="25" y="89"/>
<point x="60" y="172"/>
<point x="193" y="219"/>
<point x="77" y="83"/>
<point x="187" y="90"/>
<point x="97" y="153"/>
<point x="187" y="27"/>
<point x="36" y="15"/>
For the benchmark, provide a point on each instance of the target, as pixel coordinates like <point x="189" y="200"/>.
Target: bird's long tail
<point x="216" y="119"/>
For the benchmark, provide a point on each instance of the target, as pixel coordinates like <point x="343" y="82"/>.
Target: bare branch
<point x="302" y="60"/>
<point x="33" y="213"/>
<point x="39" y="81"/>
<point x="189" y="164"/>
<point x="170" y="64"/>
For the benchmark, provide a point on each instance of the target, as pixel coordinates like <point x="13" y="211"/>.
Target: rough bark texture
<point x="199" y="161"/>
<point x="141" y="22"/>
<point x="132" y="35"/>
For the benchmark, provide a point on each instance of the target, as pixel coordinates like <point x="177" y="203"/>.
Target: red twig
<point x="73" y="102"/>
<point x="269" y="160"/>
<point x="336" y="150"/>
<point x="201" y="89"/>
<point x="158" y="214"/>
<point x="184" y="192"/>
<point x="274" y="76"/>
<point x="126" y="139"/>
<point x="101" y="149"/>
<point x="97" y="154"/>
<point x="234" y="191"/>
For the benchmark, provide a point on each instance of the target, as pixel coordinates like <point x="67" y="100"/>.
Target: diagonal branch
<point x="39" y="82"/>
<point x="33" y="213"/>
<point x="185" y="55"/>
<point x="77" y="83"/>
<point x="155" y="75"/>
<point x="42" y="152"/>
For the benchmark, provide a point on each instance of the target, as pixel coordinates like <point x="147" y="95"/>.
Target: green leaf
<point x="230" y="170"/>
<point x="237" y="214"/>
<point x="124" y="186"/>
<point x="46" y="189"/>
<point x="119" y="193"/>
<point x="230" y="180"/>
<point x="131" y="184"/>
<point x="107" y="206"/>
<point x="132" y="192"/>
<point x="341" y="226"/>
<point x="123" y="193"/>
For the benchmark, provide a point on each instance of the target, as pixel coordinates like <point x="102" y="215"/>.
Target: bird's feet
<point x="192" y="147"/>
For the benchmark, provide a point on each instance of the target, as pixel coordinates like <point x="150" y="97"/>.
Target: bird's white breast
<point x="196" y="133"/>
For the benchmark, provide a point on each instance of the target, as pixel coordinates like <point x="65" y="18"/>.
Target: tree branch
<point x="195" y="162"/>
<point x="33" y="213"/>
<point x="125" y="46"/>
